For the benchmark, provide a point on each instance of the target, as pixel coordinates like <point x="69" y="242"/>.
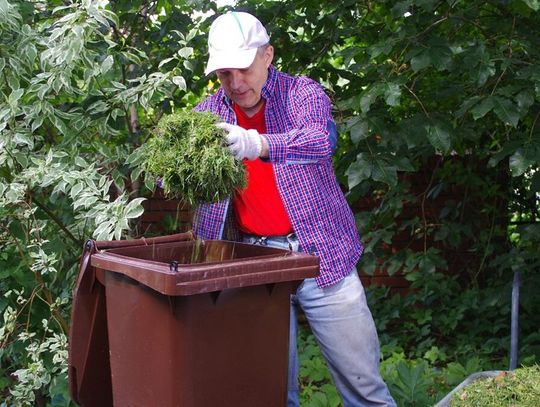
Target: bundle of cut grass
<point x="520" y="387"/>
<point x="188" y="153"/>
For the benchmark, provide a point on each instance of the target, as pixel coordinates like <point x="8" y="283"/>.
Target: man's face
<point x="244" y="86"/>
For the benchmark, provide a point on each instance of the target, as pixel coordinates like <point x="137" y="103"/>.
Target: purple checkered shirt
<point x="301" y="135"/>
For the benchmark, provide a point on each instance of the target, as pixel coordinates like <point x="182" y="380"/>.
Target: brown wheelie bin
<point x="173" y="321"/>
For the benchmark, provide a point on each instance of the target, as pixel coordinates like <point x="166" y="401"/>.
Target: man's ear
<point x="268" y="55"/>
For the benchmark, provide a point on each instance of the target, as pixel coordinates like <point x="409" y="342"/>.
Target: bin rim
<point x="278" y="266"/>
<point x="183" y="268"/>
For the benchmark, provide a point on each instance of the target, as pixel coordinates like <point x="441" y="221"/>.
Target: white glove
<point x="242" y="143"/>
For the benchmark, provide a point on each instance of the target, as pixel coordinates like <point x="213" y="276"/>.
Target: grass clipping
<point x="520" y="387"/>
<point x="188" y="153"/>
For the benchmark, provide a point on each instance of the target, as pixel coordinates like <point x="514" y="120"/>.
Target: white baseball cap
<point x="233" y="41"/>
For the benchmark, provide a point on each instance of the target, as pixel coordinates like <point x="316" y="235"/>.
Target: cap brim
<point x="237" y="59"/>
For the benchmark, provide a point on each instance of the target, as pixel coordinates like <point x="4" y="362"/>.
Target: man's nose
<point x="235" y="79"/>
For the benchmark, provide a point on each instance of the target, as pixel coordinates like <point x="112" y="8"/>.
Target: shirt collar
<point x="270" y="84"/>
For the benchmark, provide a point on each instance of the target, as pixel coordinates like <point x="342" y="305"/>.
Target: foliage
<point x="426" y="353"/>
<point x="519" y="387"/>
<point x="188" y="154"/>
<point x="437" y="104"/>
<point x="448" y="90"/>
<point x="317" y="389"/>
<point x="70" y="111"/>
<point x="410" y="383"/>
<point x="438" y="107"/>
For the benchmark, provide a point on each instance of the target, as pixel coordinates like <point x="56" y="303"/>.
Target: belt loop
<point x="289" y="237"/>
<point x="262" y="240"/>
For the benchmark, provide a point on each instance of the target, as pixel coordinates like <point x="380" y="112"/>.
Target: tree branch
<point x="55" y="219"/>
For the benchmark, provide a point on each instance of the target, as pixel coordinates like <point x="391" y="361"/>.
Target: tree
<point x="445" y="90"/>
<point x="420" y="83"/>
<point x="77" y="97"/>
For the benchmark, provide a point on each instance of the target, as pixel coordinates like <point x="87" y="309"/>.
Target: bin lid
<point x="89" y="378"/>
<point x="175" y="265"/>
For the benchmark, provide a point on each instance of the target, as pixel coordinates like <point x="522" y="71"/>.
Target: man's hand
<point x="242" y="143"/>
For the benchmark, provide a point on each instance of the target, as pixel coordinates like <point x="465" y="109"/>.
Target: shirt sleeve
<point x="312" y="137"/>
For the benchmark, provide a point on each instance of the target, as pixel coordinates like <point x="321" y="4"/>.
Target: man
<point x="282" y="127"/>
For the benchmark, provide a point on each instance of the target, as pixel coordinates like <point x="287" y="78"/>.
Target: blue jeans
<point x="343" y="326"/>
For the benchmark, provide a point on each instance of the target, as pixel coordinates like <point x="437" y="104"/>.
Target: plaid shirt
<point x="301" y="135"/>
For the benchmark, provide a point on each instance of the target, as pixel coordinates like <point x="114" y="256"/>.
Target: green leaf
<point x="118" y="85"/>
<point x="439" y="138"/>
<point x="149" y="182"/>
<point x="185" y="52"/>
<point x="466" y="105"/>
<point x="481" y="109"/>
<point x="411" y="380"/>
<point x="60" y="125"/>
<point x="483" y="72"/>
<point x="22" y="159"/>
<point x="506" y="111"/>
<point x="110" y="16"/>
<point x="15" y="96"/>
<point x="135" y="174"/>
<point x="136" y="157"/>
<point x="404" y="164"/>
<point x="359" y="131"/>
<point x="507" y="149"/>
<point x="118" y="178"/>
<point x="180" y="82"/>
<point x="369" y="97"/>
<point x="43" y="89"/>
<point x="524" y="99"/>
<point x="420" y="61"/>
<point x="440" y="55"/>
<point x="164" y="61"/>
<point x="13" y="81"/>
<point x="37" y="123"/>
<point x="520" y="163"/>
<point x="117" y="113"/>
<point x="107" y="64"/>
<point x="392" y="93"/>
<point x="103" y="231"/>
<point x="80" y="162"/>
<point x="533" y="4"/>
<point x="23" y="139"/>
<point x="60" y="8"/>
<point x="358" y="171"/>
<point x="134" y="209"/>
<point x="76" y="190"/>
<point x="380" y="48"/>
<point x="384" y="173"/>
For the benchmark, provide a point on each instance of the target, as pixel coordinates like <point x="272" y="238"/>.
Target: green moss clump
<point x="188" y="152"/>
<point x="520" y="387"/>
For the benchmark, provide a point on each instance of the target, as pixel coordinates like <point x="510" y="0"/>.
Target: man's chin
<point x="251" y="105"/>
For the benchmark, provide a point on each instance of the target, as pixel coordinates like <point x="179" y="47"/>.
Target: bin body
<point x="213" y="332"/>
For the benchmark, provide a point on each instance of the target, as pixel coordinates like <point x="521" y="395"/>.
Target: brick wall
<point x="164" y="216"/>
<point x="167" y="216"/>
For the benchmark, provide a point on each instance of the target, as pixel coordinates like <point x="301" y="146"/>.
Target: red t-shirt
<point x="259" y="208"/>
